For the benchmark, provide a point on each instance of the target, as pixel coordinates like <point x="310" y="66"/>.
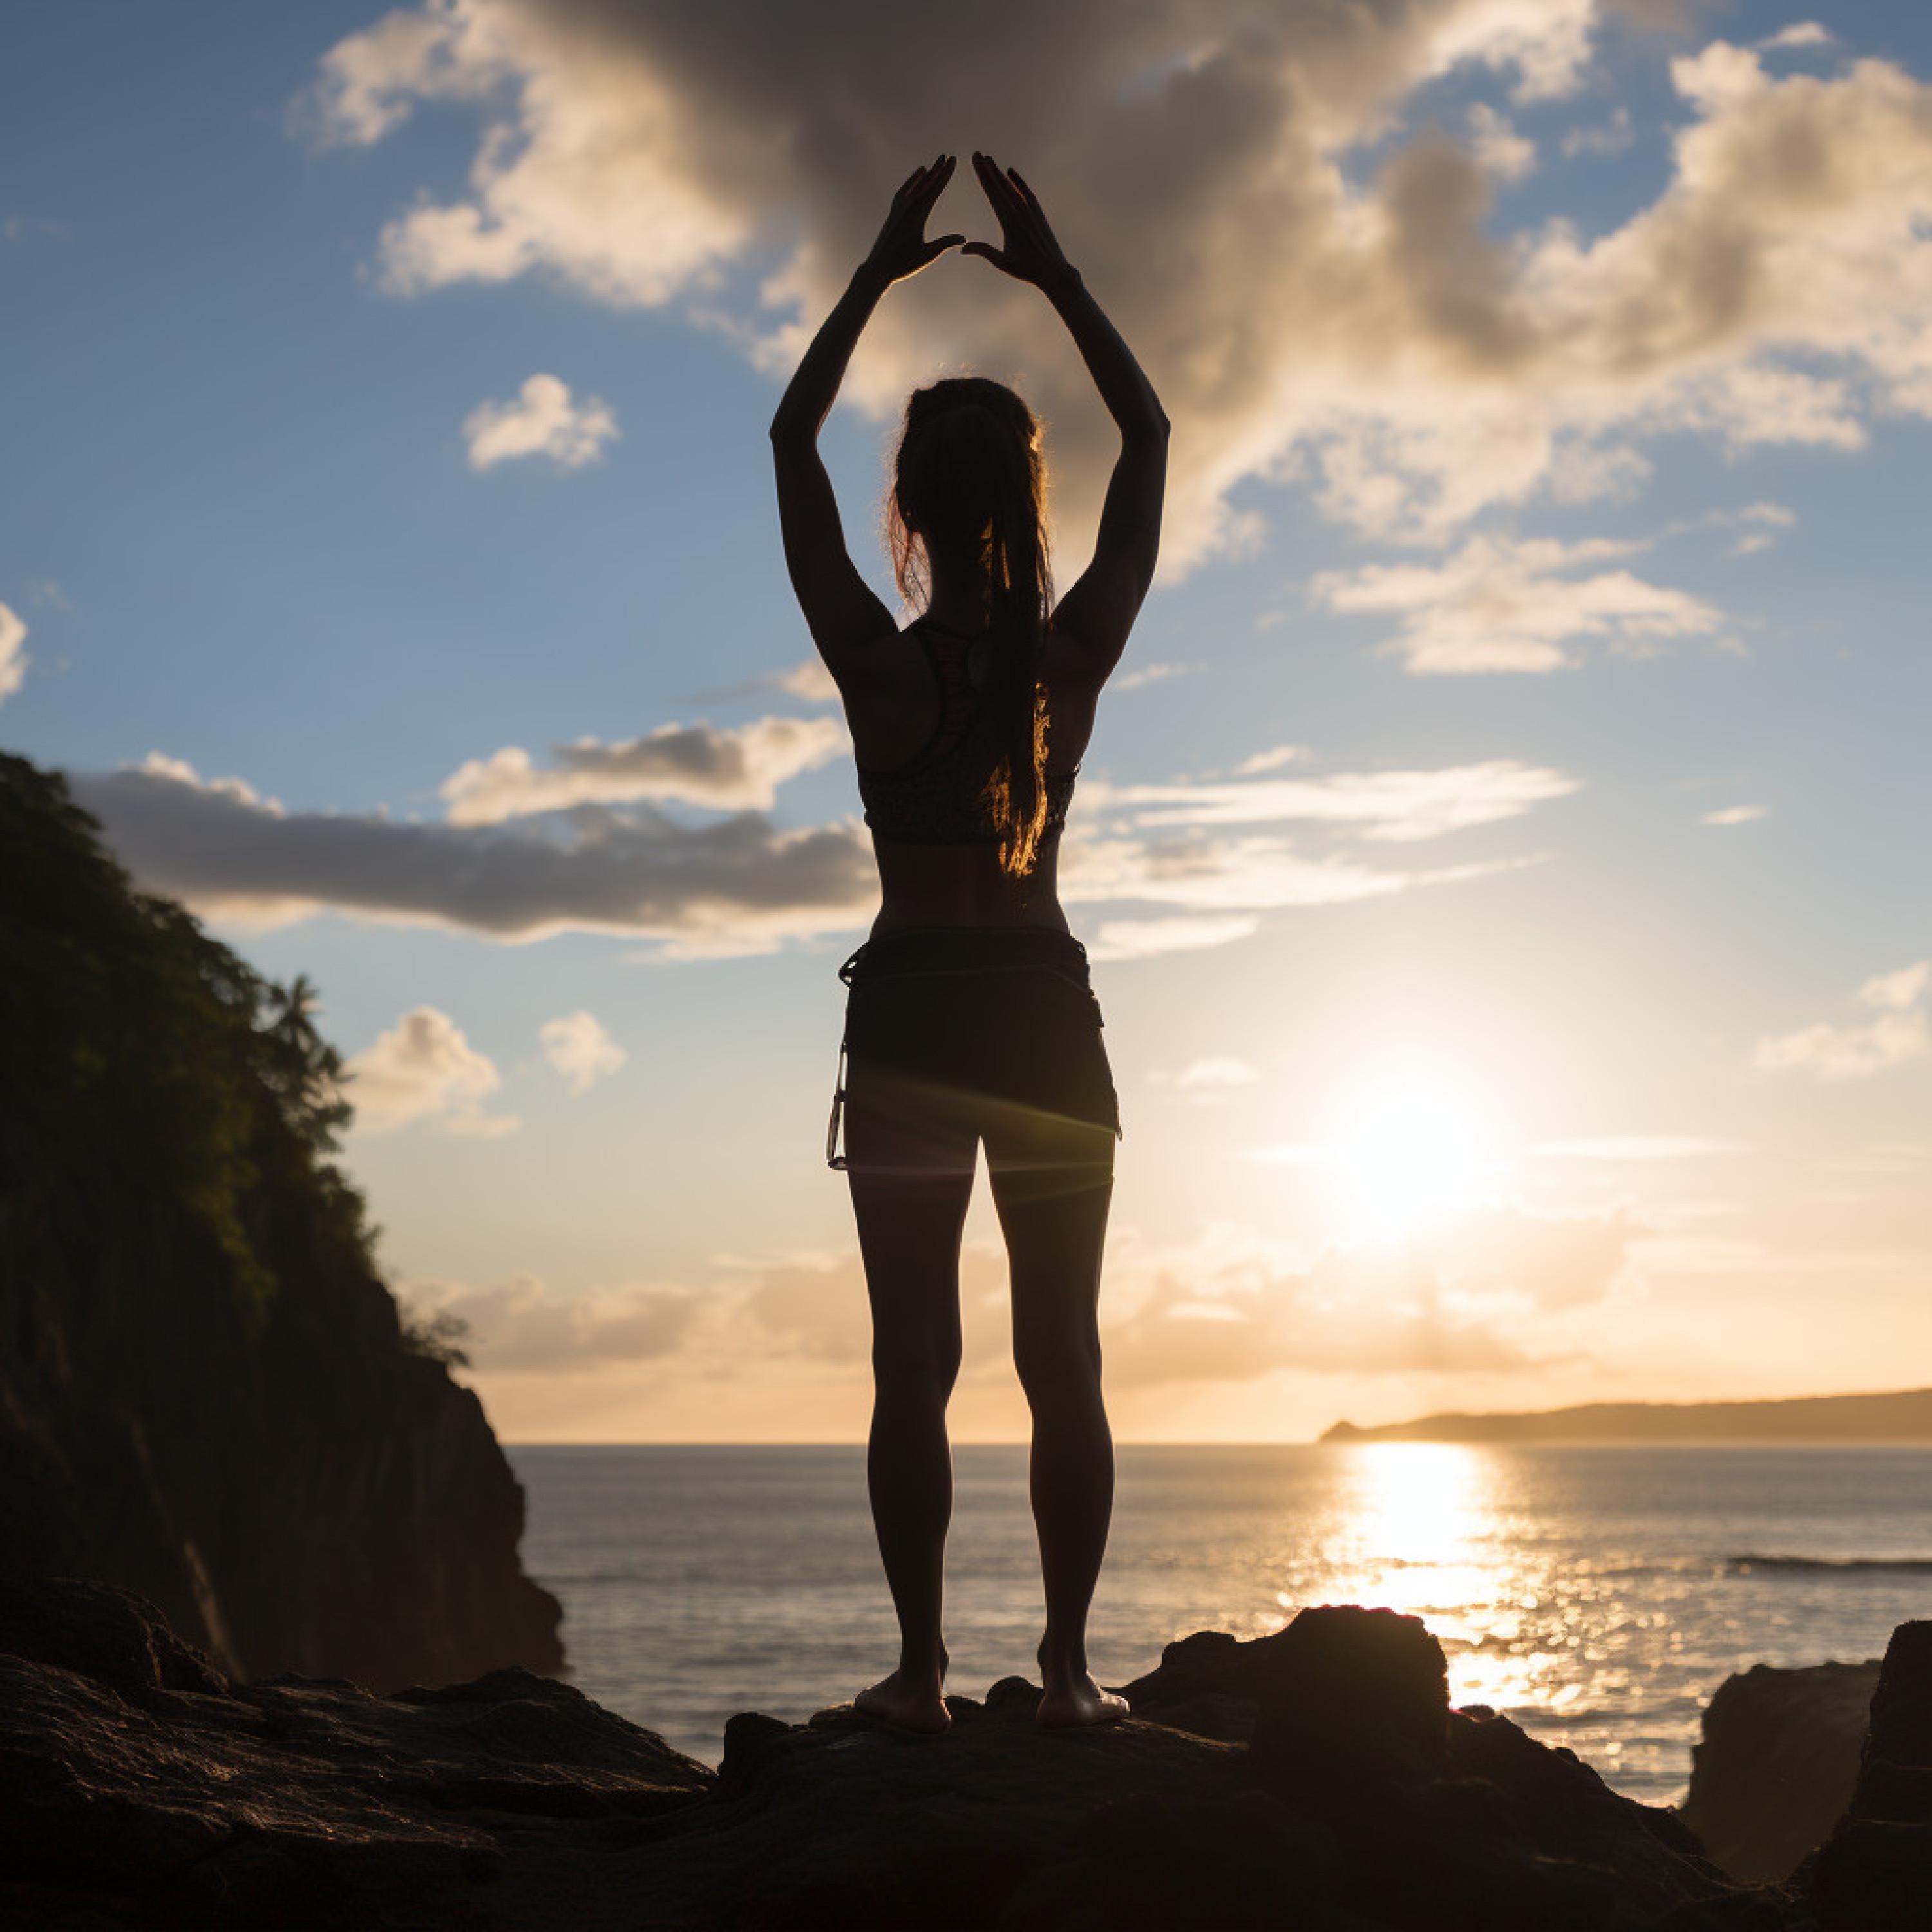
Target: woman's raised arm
<point x="841" y="610"/>
<point x="1091" y="622"/>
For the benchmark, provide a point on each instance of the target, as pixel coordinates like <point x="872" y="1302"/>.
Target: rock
<point x="1344" y="1687"/>
<point x="158" y="1795"/>
<point x="1874" y="1873"/>
<point x="1776" y="1769"/>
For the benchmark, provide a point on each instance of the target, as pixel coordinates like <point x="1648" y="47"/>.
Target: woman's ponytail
<point x="970" y="480"/>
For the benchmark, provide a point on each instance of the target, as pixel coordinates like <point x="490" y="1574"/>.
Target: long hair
<point x="969" y="484"/>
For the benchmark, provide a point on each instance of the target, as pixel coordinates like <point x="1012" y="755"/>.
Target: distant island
<point x="1905" y="1416"/>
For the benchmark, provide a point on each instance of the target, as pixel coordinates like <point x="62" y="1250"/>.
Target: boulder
<point x="1775" y="1770"/>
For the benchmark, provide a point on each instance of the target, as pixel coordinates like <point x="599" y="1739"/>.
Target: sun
<point x="1410" y="1156"/>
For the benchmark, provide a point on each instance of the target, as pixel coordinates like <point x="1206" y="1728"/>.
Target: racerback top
<point x="937" y="797"/>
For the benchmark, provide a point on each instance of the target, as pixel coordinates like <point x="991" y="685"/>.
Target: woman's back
<point x="925" y="758"/>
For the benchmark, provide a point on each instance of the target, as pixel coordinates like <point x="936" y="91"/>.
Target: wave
<point x="1750" y="1562"/>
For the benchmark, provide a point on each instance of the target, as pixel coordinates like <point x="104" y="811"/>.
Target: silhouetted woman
<point x="971" y="1017"/>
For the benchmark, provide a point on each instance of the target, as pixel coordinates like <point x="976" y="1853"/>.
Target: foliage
<point x="438" y="1337"/>
<point x="136" y="1051"/>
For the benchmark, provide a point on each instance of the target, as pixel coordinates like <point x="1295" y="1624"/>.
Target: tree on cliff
<point x="206" y="1392"/>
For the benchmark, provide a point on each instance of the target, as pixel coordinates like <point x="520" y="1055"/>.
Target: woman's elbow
<point x="790" y="426"/>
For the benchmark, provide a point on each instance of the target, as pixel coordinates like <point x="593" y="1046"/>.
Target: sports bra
<point x="936" y="797"/>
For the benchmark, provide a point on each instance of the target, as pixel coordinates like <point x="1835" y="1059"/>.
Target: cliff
<point x="205" y="1393"/>
<point x="1905" y="1417"/>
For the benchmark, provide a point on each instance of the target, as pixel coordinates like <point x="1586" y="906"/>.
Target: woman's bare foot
<point x="1072" y="1698"/>
<point x="1073" y="1702"/>
<point x="913" y="1702"/>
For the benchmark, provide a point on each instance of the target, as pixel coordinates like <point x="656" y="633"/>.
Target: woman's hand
<point x="1027" y="251"/>
<point x="902" y="249"/>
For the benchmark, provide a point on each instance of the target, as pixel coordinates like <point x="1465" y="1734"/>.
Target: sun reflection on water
<point x="1425" y="1529"/>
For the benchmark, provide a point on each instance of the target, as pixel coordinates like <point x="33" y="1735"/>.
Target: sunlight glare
<point x="1411" y="1157"/>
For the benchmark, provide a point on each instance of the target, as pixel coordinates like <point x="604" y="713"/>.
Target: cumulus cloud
<point x="732" y="770"/>
<point x="1378" y="336"/>
<point x="1464" y="1295"/>
<point x="523" y="1324"/>
<point x="577" y="1046"/>
<point x="738" y="885"/>
<point x="1488" y="1290"/>
<point x="423" y="1068"/>
<point x="13" y="660"/>
<point x="1498" y="147"/>
<point x="542" y="421"/>
<point x="1499" y="604"/>
<point x="1896" y="1032"/>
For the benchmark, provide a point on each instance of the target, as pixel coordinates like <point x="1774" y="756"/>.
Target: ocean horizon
<point x="1596" y="1595"/>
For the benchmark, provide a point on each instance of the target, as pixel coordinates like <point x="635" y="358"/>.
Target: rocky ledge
<point x="1315" y="1779"/>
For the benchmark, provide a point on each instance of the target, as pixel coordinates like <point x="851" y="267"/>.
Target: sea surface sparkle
<point x="1596" y="1595"/>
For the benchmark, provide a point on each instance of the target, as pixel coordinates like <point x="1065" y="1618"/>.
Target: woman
<point x="971" y="1017"/>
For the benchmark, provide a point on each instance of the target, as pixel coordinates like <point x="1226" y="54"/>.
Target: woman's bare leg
<point x="909" y="1196"/>
<point x="1053" y="1189"/>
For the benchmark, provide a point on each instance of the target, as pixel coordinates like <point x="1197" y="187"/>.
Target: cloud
<point x="1487" y="1291"/>
<point x="1800" y="34"/>
<point x="1498" y="147"/>
<point x="14" y="661"/>
<point x="1270" y="760"/>
<point x="1153" y="674"/>
<point x="1125" y="939"/>
<point x="1380" y="336"/>
<point x="1501" y="605"/>
<point x="577" y="1045"/>
<point x="522" y="1325"/>
<point x="1218" y="882"/>
<point x="1399" y="806"/>
<point x="810" y="681"/>
<point x="728" y="770"/>
<point x="1735" y="814"/>
<point x="740" y="885"/>
<point x="1216" y="1075"/>
<point x="1467" y="1295"/>
<point x="542" y="422"/>
<point x="1610" y="137"/>
<point x="424" y="1070"/>
<point x="1897" y="1034"/>
<point x="1618" y="1147"/>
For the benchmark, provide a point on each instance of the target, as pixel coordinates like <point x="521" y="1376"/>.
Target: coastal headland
<point x="1905" y="1416"/>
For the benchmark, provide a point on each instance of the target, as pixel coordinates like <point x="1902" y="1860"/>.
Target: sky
<point x="1502" y="848"/>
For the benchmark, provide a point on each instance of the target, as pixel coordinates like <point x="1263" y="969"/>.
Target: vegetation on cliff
<point x="206" y="1392"/>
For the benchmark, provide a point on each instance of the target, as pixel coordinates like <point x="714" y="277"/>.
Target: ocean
<point x="1596" y="1595"/>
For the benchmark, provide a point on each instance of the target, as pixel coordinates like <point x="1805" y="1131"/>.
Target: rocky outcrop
<point x="205" y="1393"/>
<point x="139" y="1789"/>
<point x="1775" y="1771"/>
<point x="1874" y="1873"/>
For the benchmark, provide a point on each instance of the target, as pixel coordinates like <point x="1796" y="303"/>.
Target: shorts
<point x="957" y="1035"/>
